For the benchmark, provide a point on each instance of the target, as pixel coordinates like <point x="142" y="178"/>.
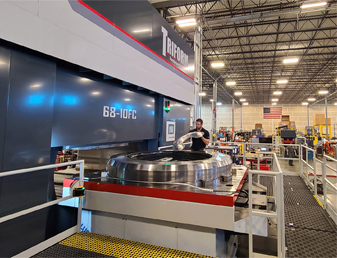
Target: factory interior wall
<point x="253" y="114"/>
<point x="55" y="29"/>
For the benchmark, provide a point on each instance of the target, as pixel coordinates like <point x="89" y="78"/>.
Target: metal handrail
<point x="279" y="215"/>
<point x="51" y="203"/>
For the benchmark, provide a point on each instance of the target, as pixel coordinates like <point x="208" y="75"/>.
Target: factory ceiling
<point x="253" y="37"/>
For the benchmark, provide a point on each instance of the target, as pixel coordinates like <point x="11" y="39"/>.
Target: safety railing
<point x="328" y="197"/>
<point x="49" y="242"/>
<point x="278" y="190"/>
<point x="279" y="202"/>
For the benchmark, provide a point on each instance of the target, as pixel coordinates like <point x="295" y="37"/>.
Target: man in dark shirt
<point x="199" y="144"/>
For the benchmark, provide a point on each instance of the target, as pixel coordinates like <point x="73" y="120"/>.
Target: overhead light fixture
<point x="202" y="94"/>
<point x="335" y="103"/>
<point x="274" y="104"/>
<point x="305" y="103"/>
<point x="148" y="105"/>
<point x="186" y="22"/>
<point x="274" y="100"/>
<point x="211" y="100"/>
<point x="35" y="86"/>
<point x="242" y="100"/>
<point x="290" y="60"/>
<point x="230" y="83"/>
<point x="277" y="92"/>
<point x="217" y="64"/>
<point x="96" y="93"/>
<point x="238" y="93"/>
<point x="245" y="104"/>
<point x="311" y="99"/>
<point x="127" y="99"/>
<point x="141" y="31"/>
<point x="2" y="63"/>
<point x="85" y="79"/>
<point x="312" y="5"/>
<point x="219" y="104"/>
<point x="322" y="92"/>
<point x="282" y="81"/>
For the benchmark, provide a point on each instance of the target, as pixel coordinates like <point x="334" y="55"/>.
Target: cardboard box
<point x="258" y="126"/>
<point x="322" y="121"/>
<point x="318" y="118"/>
<point x="285" y="118"/>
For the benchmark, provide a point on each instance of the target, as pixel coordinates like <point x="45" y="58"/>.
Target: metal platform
<point x="86" y="244"/>
<point x="310" y="232"/>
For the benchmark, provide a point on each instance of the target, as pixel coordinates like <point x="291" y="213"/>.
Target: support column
<point x="197" y="70"/>
<point x="233" y="119"/>
<point x="326" y="115"/>
<point x="308" y="114"/>
<point x="241" y="118"/>
<point x="214" y="111"/>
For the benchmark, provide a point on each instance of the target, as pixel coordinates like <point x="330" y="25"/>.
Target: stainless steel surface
<point x="171" y="167"/>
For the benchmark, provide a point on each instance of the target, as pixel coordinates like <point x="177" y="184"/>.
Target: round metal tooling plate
<point x="170" y="166"/>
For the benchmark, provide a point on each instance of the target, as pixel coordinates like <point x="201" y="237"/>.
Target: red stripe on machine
<point x="114" y="25"/>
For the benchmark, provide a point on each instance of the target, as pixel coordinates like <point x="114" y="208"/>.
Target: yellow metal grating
<point x="113" y="246"/>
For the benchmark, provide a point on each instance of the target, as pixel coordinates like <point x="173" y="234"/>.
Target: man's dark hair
<point x="200" y="120"/>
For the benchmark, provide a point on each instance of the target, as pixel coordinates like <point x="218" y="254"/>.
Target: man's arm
<point x="206" y="141"/>
<point x="205" y="138"/>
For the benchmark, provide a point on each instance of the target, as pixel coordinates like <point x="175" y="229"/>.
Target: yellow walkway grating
<point x="113" y="246"/>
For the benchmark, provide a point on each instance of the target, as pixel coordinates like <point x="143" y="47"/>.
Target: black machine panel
<point x="30" y="112"/>
<point x="4" y="88"/>
<point x="93" y="112"/>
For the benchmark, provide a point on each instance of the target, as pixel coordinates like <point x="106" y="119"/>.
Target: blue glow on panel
<point x="70" y="100"/>
<point x="152" y="112"/>
<point x="129" y="107"/>
<point x="117" y="106"/>
<point x="35" y="100"/>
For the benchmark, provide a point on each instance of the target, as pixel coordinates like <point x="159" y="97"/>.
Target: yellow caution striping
<point x="318" y="201"/>
<point x="118" y="247"/>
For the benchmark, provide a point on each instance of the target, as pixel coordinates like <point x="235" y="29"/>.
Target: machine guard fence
<point x="49" y="242"/>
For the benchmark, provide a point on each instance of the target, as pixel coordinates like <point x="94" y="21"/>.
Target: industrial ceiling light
<point x="85" y="79"/>
<point x="245" y="104"/>
<point x="282" y="81"/>
<point x="274" y="104"/>
<point x="277" y="92"/>
<point x="305" y="103"/>
<point x="242" y="100"/>
<point x="335" y="103"/>
<point x="186" y="22"/>
<point x="202" y="94"/>
<point x="322" y="92"/>
<point x="274" y="100"/>
<point x="217" y="64"/>
<point x="311" y="99"/>
<point x="211" y="100"/>
<point x="148" y="105"/>
<point x="96" y="93"/>
<point x="127" y="99"/>
<point x="290" y="60"/>
<point x="219" y="104"/>
<point x="312" y="5"/>
<point x="238" y="93"/>
<point x="2" y="63"/>
<point x="141" y="31"/>
<point x="231" y="83"/>
<point x="35" y="86"/>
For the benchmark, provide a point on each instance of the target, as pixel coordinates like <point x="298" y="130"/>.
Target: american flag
<point x="272" y="112"/>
